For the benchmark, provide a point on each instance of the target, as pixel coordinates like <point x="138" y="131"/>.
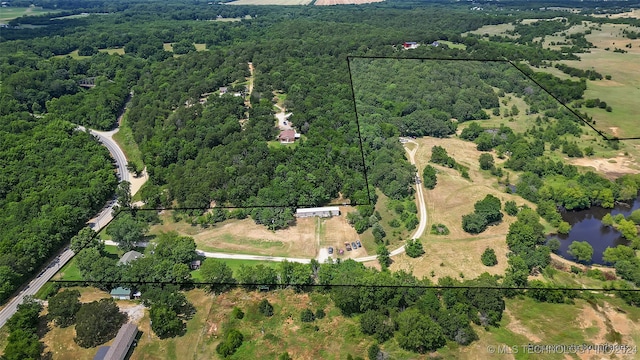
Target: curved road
<point x="422" y="210"/>
<point x="98" y="223"/>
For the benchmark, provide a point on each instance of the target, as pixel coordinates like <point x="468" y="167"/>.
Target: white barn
<point x="327" y="211"/>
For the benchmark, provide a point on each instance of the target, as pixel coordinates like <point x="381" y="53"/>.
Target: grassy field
<point x="453" y="45"/>
<point x="118" y="51"/>
<point x="9" y="13"/>
<point x="453" y="196"/>
<point x="244" y="236"/>
<point x="500" y="29"/>
<point x="623" y="89"/>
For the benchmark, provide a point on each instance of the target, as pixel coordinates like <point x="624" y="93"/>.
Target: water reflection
<point x="586" y="226"/>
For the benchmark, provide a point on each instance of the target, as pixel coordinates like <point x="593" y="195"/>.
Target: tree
<point x="97" y="322"/>
<point x="635" y="216"/>
<point x="63" y="307"/>
<point x="265" y="308"/>
<point x="384" y="257"/>
<point x="511" y="208"/>
<point x="26" y="317"/>
<point x="488" y="257"/>
<point x="232" y="341"/>
<point x="489" y="207"/>
<point x="429" y="177"/>
<point x="22" y="345"/>
<point x="607" y="220"/>
<point x="621" y="252"/>
<point x="123" y="193"/>
<point x="418" y="333"/>
<point x="628" y="229"/>
<point x="581" y="250"/>
<point x="378" y="233"/>
<point x="178" y="249"/>
<point x="514" y="110"/>
<point x="86" y="237"/>
<point x="414" y="248"/>
<point x="486" y="161"/>
<point x="217" y="274"/>
<point x="126" y="231"/>
<point x="474" y="223"/>
<point x="165" y="322"/>
<point x="439" y="156"/>
<point x="554" y="245"/>
<point x="564" y="227"/>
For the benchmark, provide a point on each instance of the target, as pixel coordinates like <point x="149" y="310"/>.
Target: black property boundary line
<point x="349" y="58"/>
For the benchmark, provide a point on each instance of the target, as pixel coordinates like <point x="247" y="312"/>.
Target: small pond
<point x="586" y="226"/>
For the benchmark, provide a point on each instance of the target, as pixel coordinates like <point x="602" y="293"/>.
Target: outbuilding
<point x="327" y="211"/>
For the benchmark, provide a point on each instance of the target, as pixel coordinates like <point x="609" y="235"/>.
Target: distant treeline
<point x="588" y="74"/>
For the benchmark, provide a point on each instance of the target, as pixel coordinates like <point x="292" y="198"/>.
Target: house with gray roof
<point x="129" y="257"/>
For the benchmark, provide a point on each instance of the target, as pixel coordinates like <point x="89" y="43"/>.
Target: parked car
<point x="341" y="251"/>
<point x="348" y="246"/>
<point x="358" y="243"/>
<point x="354" y="246"/>
<point x="330" y="250"/>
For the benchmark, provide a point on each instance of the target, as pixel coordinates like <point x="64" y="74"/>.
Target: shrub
<point x="488" y="257"/>
<point x="414" y="248"/>
<point x="265" y="308"/>
<point x="511" y="208"/>
<point x="439" y="229"/>
<point x="307" y="316"/>
<point x="474" y="223"/>
<point x="236" y="313"/>
<point x="320" y="314"/>
<point x="232" y="341"/>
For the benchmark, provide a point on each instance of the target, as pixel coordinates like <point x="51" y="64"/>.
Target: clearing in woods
<point x="247" y="237"/>
<point x="454" y="196"/>
<point x="9" y="13"/>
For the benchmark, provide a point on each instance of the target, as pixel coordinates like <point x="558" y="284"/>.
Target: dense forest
<point x="199" y="153"/>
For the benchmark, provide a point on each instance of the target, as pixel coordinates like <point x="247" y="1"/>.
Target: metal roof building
<point x="327" y="211"/>
<point x="120" y="347"/>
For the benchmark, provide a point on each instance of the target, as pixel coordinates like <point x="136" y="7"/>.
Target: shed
<point x="223" y="90"/>
<point x="410" y="45"/>
<point x="120" y="347"/>
<point x="327" y="211"/>
<point x="121" y="293"/>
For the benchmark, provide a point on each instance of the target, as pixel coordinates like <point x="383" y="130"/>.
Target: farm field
<point x="623" y="89"/>
<point x="453" y="196"/>
<point x="344" y="2"/>
<point x="269" y="2"/>
<point x="499" y="29"/>
<point x="9" y="13"/>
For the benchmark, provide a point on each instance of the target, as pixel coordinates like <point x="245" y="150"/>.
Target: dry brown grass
<point x="336" y="231"/>
<point x="453" y="196"/>
<point x="245" y="236"/>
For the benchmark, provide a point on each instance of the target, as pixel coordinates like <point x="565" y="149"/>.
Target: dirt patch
<point x="137" y="182"/>
<point x="517" y="327"/>
<point x="335" y="232"/>
<point x="135" y="312"/>
<point x="344" y="2"/>
<point x="611" y="168"/>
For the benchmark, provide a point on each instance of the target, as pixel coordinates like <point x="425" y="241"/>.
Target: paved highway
<point x="98" y="223"/>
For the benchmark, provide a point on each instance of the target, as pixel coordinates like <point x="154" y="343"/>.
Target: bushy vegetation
<point x="487" y="211"/>
<point x="98" y="322"/>
<point x="488" y="257"/>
